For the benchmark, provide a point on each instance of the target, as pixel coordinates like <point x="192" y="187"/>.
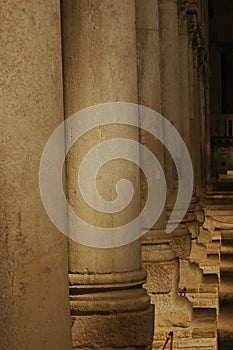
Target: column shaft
<point x="34" y="299"/>
<point x="159" y="260"/>
<point x="100" y="65"/>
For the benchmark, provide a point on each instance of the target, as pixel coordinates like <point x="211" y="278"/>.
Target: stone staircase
<point x="200" y="335"/>
<point x="225" y="326"/>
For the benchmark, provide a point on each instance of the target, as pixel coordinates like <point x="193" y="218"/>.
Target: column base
<point x="111" y="311"/>
<point x="131" y="330"/>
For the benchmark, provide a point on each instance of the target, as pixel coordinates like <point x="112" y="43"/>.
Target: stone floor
<point x="225" y="327"/>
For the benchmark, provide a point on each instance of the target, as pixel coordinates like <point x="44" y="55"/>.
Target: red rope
<point x="170" y="336"/>
<point x="171" y="341"/>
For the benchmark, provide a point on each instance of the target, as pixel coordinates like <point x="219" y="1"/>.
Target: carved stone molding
<point x="195" y="31"/>
<point x="182" y="6"/>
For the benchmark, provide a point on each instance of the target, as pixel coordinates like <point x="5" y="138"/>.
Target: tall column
<point x="175" y="107"/>
<point x="184" y="69"/>
<point x="199" y="287"/>
<point x="158" y="258"/>
<point x="109" y="307"/>
<point x="195" y="122"/>
<point x="170" y="81"/>
<point x="201" y="68"/>
<point x="197" y="118"/>
<point x="207" y="155"/>
<point x="185" y="102"/>
<point x="149" y="93"/>
<point x="171" y="96"/>
<point x="34" y="299"/>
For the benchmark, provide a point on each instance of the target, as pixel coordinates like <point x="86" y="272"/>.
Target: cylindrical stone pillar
<point x="201" y="64"/>
<point x="170" y="91"/>
<point x="173" y="106"/>
<point x="149" y="93"/>
<point x="195" y="119"/>
<point x="176" y="111"/>
<point x="170" y="83"/>
<point x="186" y="101"/>
<point x="184" y="69"/>
<point x="34" y="299"/>
<point x="190" y="219"/>
<point x="156" y="249"/>
<point x="195" y="135"/>
<point x="109" y="307"/>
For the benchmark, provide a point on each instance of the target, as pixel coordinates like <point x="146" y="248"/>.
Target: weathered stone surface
<point x="112" y="330"/>
<point x="162" y="284"/>
<point x="181" y="244"/>
<point x="171" y="311"/>
<point x="190" y="274"/>
<point x="100" y="65"/>
<point x="160" y="277"/>
<point x="34" y="303"/>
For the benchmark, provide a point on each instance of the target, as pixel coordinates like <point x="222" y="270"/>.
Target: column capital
<point x="195" y="31"/>
<point x="201" y="50"/>
<point x="193" y="6"/>
<point x="192" y="24"/>
<point x="183" y="6"/>
<point x="193" y="14"/>
<point x="182" y="16"/>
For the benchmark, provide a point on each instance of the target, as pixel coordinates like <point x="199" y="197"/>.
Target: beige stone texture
<point x="170" y="83"/>
<point x="184" y="74"/>
<point x="149" y="94"/>
<point x="100" y="65"/>
<point x="181" y="242"/>
<point x="191" y="274"/>
<point x="34" y="304"/>
<point x="162" y="268"/>
<point x="200" y="335"/>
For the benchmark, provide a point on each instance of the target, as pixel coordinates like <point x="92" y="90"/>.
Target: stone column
<point x="184" y="69"/>
<point x="207" y="147"/>
<point x="158" y="258"/>
<point x="174" y="81"/>
<point x="170" y="81"/>
<point x="195" y="119"/>
<point x="191" y="26"/>
<point x="186" y="101"/>
<point x="201" y="289"/>
<point x="34" y="299"/>
<point x="109" y="307"/>
<point x="172" y="106"/>
<point x="190" y="219"/>
<point x="149" y="93"/>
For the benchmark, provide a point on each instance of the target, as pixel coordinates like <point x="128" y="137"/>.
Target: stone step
<point x="203" y="316"/>
<point x="226" y="285"/>
<point x="226" y="298"/>
<point x="227" y="242"/>
<point x="211" y="278"/>
<point x="227" y="268"/>
<point x="213" y="257"/>
<point x="201" y="335"/>
<point x="227" y="235"/>
<point x="226" y="276"/>
<point x="227" y="262"/>
<point x="228" y="249"/>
